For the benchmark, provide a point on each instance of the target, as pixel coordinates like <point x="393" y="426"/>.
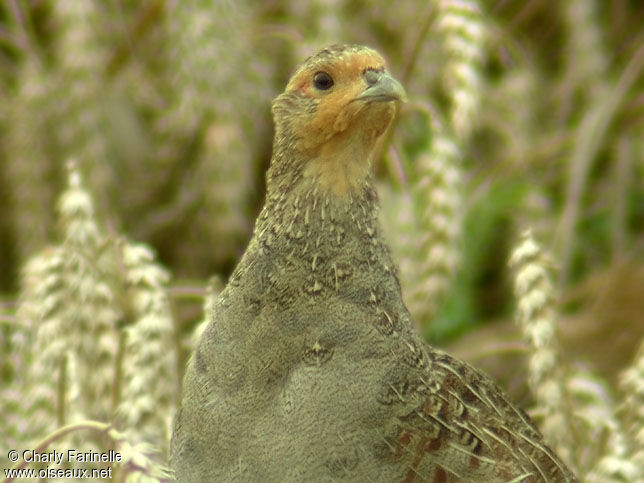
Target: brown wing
<point x="454" y="424"/>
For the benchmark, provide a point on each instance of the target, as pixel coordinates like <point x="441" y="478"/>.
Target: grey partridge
<point x="310" y="368"/>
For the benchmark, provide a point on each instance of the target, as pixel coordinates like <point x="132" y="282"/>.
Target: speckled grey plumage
<point x="310" y="368"/>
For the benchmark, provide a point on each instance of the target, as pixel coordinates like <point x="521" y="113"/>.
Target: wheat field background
<point x="134" y="137"/>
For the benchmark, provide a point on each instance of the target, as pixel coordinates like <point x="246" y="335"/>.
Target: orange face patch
<point x="342" y="132"/>
<point x="336" y="107"/>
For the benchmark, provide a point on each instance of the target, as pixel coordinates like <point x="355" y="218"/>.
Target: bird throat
<point x="341" y="161"/>
<point x="338" y="172"/>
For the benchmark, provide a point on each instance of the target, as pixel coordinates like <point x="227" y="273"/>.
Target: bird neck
<point x="301" y="210"/>
<point x="309" y="249"/>
<point x="315" y="241"/>
<point x="338" y="162"/>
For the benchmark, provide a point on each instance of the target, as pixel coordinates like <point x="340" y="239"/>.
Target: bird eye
<point x="322" y="81"/>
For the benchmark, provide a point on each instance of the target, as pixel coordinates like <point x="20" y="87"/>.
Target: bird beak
<point x="384" y="89"/>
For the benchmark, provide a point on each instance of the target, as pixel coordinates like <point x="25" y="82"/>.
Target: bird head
<point x="334" y="110"/>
